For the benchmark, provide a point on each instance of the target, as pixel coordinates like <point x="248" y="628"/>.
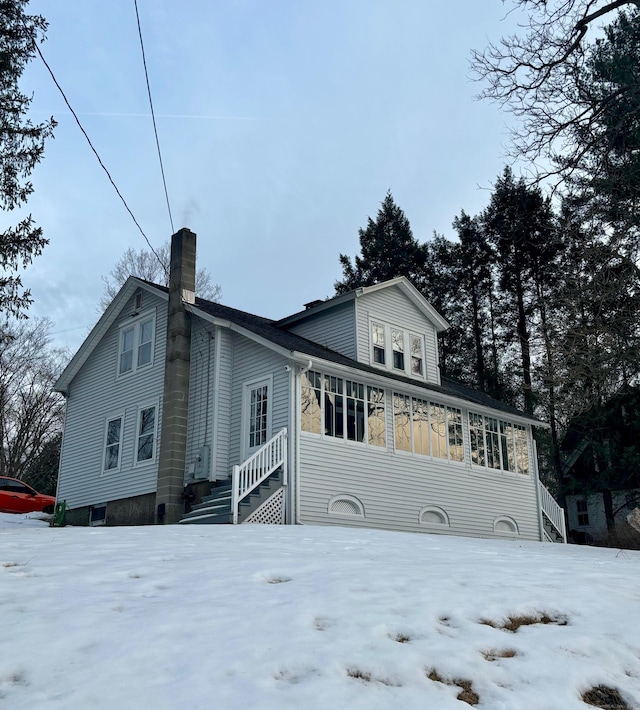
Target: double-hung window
<point x="136" y="344"/>
<point x="397" y="343"/>
<point x="113" y="444"/>
<point x="146" y="434"/>
<point x="398" y="349"/>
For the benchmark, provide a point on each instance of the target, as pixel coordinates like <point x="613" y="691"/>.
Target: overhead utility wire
<point x="153" y="116"/>
<point x="95" y="152"/>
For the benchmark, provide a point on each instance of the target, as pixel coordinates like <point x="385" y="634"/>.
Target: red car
<point x="18" y="497"/>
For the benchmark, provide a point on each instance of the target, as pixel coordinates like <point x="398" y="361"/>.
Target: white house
<point x="184" y="410"/>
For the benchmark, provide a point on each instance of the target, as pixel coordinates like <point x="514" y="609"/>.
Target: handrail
<point x="257" y="468"/>
<point x="553" y="511"/>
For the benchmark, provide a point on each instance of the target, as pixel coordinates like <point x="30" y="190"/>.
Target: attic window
<point x="377" y="337"/>
<point x="136" y="343"/>
<point x="138" y="301"/>
<point x="397" y="343"/>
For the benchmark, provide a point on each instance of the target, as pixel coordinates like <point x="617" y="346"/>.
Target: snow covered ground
<point x="262" y="617"/>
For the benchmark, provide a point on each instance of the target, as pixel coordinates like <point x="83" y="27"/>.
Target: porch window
<point x="427" y="428"/>
<point x="343" y="409"/>
<point x="375" y="416"/>
<point x="498" y="444"/>
<point x="113" y="444"/>
<point x="311" y="402"/>
<point x="333" y="407"/>
<point x="145" y="449"/>
<point x="377" y="338"/>
<point x="355" y="411"/>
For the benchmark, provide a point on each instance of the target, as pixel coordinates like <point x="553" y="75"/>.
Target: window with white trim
<point x="113" y="444"/>
<point x="258" y="415"/>
<point x="427" y="428"/>
<point x="417" y="356"/>
<point x="343" y="409"/>
<point x="397" y="345"/>
<point x="377" y="339"/>
<point x="398" y="349"/>
<point x="146" y="434"/>
<point x="136" y="344"/>
<point x="498" y="444"/>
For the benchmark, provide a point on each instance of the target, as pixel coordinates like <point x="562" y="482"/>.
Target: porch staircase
<point x="253" y="484"/>
<point x="552" y="515"/>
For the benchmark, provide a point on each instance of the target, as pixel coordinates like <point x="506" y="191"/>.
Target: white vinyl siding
<point x="334" y="328"/>
<point x="394" y="489"/>
<point x="95" y="390"/>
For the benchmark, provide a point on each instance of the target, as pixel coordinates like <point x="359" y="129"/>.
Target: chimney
<point x="175" y="401"/>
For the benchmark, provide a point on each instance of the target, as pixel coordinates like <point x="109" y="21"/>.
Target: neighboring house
<point x="601" y="471"/>
<point x="334" y="415"/>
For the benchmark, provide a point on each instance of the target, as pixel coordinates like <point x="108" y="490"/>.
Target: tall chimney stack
<point x="175" y="403"/>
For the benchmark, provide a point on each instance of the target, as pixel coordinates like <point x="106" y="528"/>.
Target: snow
<point x="309" y="618"/>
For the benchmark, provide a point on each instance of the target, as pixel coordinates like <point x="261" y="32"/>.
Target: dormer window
<point x="377" y="333"/>
<point x="136" y="344"/>
<point x="398" y="349"/>
<point x="397" y="343"/>
<point x="417" y="356"/>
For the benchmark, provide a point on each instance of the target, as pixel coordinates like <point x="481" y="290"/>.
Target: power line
<point x="153" y="116"/>
<point x="95" y="152"/>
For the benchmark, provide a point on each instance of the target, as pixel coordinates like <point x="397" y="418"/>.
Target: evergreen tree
<point x="519" y="225"/>
<point x="387" y="249"/>
<point x="21" y="148"/>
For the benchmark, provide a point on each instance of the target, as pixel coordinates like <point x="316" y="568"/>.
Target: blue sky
<point x="282" y="125"/>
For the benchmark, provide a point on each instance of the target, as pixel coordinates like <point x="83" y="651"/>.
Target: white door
<point x="256" y="415"/>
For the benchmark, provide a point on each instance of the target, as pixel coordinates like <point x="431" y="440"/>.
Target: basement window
<point x="98" y="515"/>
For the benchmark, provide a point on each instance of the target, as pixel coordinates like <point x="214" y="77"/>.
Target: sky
<point x="278" y="618"/>
<point x="282" y="125"/>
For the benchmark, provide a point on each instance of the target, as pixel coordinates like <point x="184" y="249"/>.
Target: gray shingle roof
<point x="279" y="335"/>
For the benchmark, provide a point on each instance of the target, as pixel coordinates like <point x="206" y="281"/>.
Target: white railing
<point x="553" y="511"/>
<point x="257" y="468"/>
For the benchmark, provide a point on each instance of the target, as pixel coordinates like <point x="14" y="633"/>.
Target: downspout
<point x="217" y="347"/>
<point x="292" y="445"/>
<point x="301" y="371"/>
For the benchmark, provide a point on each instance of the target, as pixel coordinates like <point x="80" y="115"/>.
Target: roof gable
<point x="130" y="286"/>
<point x="401" y="282"/>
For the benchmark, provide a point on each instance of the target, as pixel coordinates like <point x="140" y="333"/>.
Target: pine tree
<point x="388" y="249"/>
<point x="21" y="148"/>
<point x="519" y="224"/>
